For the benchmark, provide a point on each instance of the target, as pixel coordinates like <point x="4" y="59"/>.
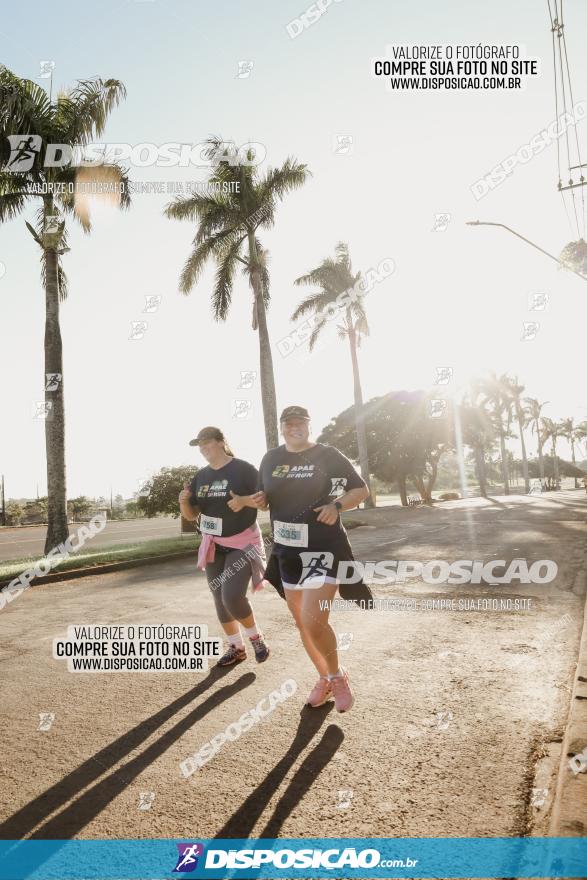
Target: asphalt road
<point x="454" y="709"/>
<point x="30" y="541"/>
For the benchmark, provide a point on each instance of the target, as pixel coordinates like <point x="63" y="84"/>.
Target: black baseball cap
<point x="294" y="412"/>
<point x="208" y="433"/>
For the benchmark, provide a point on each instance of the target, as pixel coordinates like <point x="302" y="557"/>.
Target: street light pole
<point x="527" y="240"/>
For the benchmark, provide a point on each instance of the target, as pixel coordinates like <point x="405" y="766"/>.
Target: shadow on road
<point x="80" y="812"/>
<point x="304" y="777"/>
<point x="243" y="821"/>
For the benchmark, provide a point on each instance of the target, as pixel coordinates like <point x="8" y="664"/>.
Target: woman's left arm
<point x="329" y="513"/>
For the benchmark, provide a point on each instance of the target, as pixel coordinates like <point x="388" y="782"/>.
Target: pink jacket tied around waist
<point x="251" y="540"/>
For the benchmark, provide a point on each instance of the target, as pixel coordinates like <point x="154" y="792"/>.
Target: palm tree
<point x="516" y="391"/>
<point x="478" y="433"/>
<point x="534" y="410"/>
<point x="334" y="277"/>
<point x="227" y="224"/>
<point x="572" y="433"/>
<point x="34" y="122"/>
<point x="581" y="431"/>
<point x="495" y="392"/>
<point x="551" y="430"/>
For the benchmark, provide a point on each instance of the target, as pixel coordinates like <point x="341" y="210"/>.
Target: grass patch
<point x="86" y="557"/>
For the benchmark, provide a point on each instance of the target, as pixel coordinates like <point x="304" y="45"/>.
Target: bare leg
<point x="315" y="624"/>
<point x="317" y="635"/>
<point x="248" y="621"/>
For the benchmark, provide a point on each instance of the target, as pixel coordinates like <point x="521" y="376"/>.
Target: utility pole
<point x="3" y="504"/>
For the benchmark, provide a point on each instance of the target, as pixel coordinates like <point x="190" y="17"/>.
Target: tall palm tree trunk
<point x="265" y="357"/>
<point x="555" y="469"/>
<point x="480" y="468"/>
<point x="540" y="455"/>
<point x="524" y="455"/>
<point x="360" y="419"/>
<point x="57" y="530"/>
<point x="574" y="460"/>
<point x="504" y="462"/>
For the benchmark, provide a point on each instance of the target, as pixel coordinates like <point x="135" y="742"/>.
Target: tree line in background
<point x="35" y="511"/>
<point x="409" y="433"/>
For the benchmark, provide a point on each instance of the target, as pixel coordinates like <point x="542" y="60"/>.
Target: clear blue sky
<point x="457" y="298"/>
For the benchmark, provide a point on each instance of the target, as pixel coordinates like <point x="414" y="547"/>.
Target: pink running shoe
<point x="320" y="693"/>
<point x="343" y="696"/>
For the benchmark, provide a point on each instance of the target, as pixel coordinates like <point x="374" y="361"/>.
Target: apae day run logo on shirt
<point x="298" y="471"/>
<point x="338" y="486"/>
<point x="218" y="489"/>
<point x="187" y="858"/>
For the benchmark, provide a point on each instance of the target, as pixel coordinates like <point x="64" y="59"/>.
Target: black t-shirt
<point x="211" y="491"/>
<point x="297" y="482"/>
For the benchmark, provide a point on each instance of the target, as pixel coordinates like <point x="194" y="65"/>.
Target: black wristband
<point x="338" y="505"/>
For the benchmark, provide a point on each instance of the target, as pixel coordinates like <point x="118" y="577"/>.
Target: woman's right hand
<point x="259" y="500"/>
<point x="185" y="494"/>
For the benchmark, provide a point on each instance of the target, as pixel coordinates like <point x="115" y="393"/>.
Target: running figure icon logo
<point x="187" y="859"/>
<point x="315" y="567"/>
<point x="338" y="486"/>
<point x="24" y="149"/>
<point x="280" y="471"/>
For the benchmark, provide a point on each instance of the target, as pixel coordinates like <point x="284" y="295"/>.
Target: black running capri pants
<point x="228" y="582"/>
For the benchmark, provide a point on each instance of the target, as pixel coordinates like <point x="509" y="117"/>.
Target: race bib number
<point x="211" y="525"/>
<point x="291" y="534"/>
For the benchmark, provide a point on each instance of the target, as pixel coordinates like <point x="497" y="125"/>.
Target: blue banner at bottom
<point x="402" y="857"/>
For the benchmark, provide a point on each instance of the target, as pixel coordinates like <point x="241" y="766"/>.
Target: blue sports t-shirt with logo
<point x="297" y="482"/>
<point x="211" y="489"/>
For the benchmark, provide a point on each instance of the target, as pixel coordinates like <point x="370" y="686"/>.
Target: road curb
<point x="569" y="810"/>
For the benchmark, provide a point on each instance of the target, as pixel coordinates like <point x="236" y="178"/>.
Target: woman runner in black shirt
<point x="306" y="485"/>
<point x="232" y="547"/>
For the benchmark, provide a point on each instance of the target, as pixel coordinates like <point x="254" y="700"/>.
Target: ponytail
<point x="227" y="449"/>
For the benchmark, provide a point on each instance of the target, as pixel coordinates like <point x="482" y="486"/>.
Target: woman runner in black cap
<point x="231" y="550"/>
<point x="306" y="485"/>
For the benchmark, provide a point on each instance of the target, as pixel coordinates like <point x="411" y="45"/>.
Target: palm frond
<point x="81" y="114"/>
<point x="25" y="106"/>
<point x="227" y="266"/>
<point x="315" y="302"/>
<point x="318" y="328"/>
<point x="211" y="247"/>
<point x="280" y="181"/>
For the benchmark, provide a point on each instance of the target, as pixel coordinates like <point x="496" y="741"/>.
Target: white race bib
<point x="211" y="525"/>
<point x="291" y="534"/>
